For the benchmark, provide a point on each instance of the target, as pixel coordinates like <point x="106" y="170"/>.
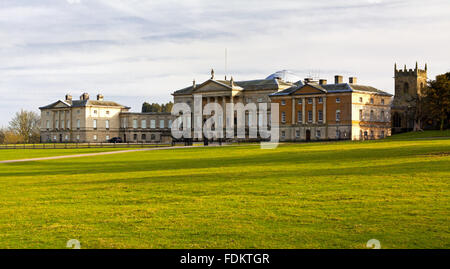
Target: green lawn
<point x="15" y="154"/>
<point x="310" y="195"/>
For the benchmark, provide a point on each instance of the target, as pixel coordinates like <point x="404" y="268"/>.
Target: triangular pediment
<point x="57" y="104"/>
<point x="211" y="86"/>
<point x="309" y="89"/>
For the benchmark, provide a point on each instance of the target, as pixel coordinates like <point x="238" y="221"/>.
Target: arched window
<point x="406" y="87"/>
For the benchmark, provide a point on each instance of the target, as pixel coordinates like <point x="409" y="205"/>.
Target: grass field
<point x="310" y="195"/>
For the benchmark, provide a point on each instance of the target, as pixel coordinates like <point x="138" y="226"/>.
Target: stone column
<point x="303" y="110"/>
<point x="293" y="110"/>
<point x="314" y="109"/>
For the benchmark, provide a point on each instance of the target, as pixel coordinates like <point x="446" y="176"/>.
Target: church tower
<point x="409" y="85"/>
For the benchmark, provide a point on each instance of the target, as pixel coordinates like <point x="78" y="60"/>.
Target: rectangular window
<point x="338" y="100"/>
<point x="283" y="134"/>
<point x="297" y="133"/>
<point x="107" y="137"/>
<point x="95" y="137"/>
<point x="135" y="124"/>
<point x="161" y="123"/>
<point x="143" y="123"/>
<point x="299" y="116"/>
<point x="170" y="123"/>
<point x="62" y="124"/>
<point x="56" y="124"/>
<point x="371" y="115"/>
<point x="135" y="137"/>
<point x="283" y="102"/>
<point x="107" y="124"/>
<point x="382" y="134"/>
<point x="371" y="100"/>
<point x="320" y="115"/>
<point x="309" y="100"/>
<point x="260" y="100"/>
<point x="78" y="124"/>
<point x="382" y="101"/>
<point x="107" y="112"/>
<point x="78" y="111"/>
<point x="66" y="137"/>
<point x="68" y="124"/>
<point x="48" y="124"/>
<point x="95" y="112"/>
<point x="283" y="117"/>
<point x="143" y="137"/>
<point x="78" y="137"/>
<point x="360" y="114"/>
<point x="318" y="133"/>
<point x="95" y="124"/>
<point x="152" y="124"/>
<point x="300" y="101"/>
<point x="382" y="115"/>
<point x="48" y="113"/>
<point x="320" y="100"/>
<point x="338" y="115"/>
<point x="310" y="116"/>
<point x="360" y="99"/>
<point x="54" y="137"/>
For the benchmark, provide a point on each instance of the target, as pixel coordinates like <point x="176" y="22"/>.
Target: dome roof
<point x="285" y="75"/>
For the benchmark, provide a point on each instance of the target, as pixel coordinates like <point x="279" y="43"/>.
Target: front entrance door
<point x="308" y="135"/>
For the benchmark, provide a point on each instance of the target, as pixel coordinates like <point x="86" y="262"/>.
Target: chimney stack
<point x="308" y="80"/>
<point x="68" y="97"/>
<point x="99" y="97"/>
<point x="352" y="80"/>
<point x="84" y="96"/>
<point x="338" y="79"/>
<point x="322" y="81"/>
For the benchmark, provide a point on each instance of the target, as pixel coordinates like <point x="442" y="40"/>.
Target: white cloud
<point x="140" y="50"/>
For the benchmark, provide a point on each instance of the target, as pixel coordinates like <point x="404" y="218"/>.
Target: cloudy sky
<point x="134" y="51"/>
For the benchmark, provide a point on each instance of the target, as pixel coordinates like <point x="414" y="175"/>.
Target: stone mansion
<point x="308" y="110"/>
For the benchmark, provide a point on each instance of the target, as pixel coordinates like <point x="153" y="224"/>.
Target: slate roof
<point x="246" y="85"/>
<point x="333" y="88"/>
<point x="83" y="103"/>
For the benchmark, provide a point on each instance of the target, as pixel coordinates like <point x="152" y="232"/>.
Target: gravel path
<point x="91" y="154"/>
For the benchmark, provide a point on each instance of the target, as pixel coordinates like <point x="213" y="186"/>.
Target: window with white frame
<point x="310" y="116"/>
<point x="320" y="115"/>
<point x="78" y="124"/>
<point x="68" y="124"/>
<point x="62" y="124"/>
<point x="338" y="115"/>
<point x="135" y="124"/>
<point x="67" y="137"/>
<point x="47" y="124"/>
<point x="47" y="113"/>
<point x="371" y="100"/>
<point x="309" y="100"/>
<point x="78" y="137"/>
<point x="152" y="124"/>
<point x="170" y="123"/>
<point x="318" y="133"/>
<point x="283" y="134"/>
<point x="95" y="137"/>
<point x="283" y="102"/>
<point x="143" y="123"/>
<point x="56" y="124"/>
<point x="54" y="137"/>
<point x="283" y="117"/>
<point x="297" y="133"/>
<point x="338" y="99"/>
<point x="107" y="137"/>
<point x="95" y="124"/>
<point x="299" y="116"/>
<point x="300" y="101"/>
<point x="107" y="124"/>
<point x="161" y="123"/>
<point x="78" y="111"/>
<point x="320" y="100"/>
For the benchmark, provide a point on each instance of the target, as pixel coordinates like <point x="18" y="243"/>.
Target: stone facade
<point x="97" y="121"/>
<point x="320" y="111"/>
<point x="409" y="84"/>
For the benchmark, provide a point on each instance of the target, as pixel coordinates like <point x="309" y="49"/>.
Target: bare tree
<point x="26" y="125"/>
